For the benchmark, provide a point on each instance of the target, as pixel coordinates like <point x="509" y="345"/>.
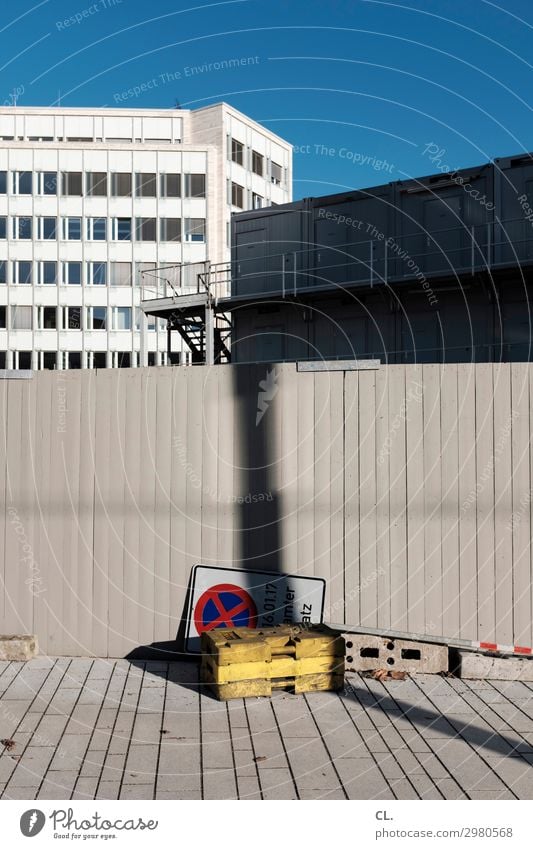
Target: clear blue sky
<point x="359" y="86"/>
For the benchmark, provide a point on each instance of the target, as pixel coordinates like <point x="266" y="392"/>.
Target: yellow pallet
<point x="242" y="662"/>
<point x="227" y="646"/>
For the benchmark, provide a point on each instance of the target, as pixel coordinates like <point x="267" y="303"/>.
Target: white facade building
<point x="91" y="198"/>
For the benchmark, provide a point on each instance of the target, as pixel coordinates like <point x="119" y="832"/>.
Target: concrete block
<point x="18" y="647"/>
<point x="469" y="664"/>
<point x="367" y="652"/>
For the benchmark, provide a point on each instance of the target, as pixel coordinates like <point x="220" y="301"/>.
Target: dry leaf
<point x="9" y="744"/>
<point x="388" y="675"/>
<point x="260" y="758"/>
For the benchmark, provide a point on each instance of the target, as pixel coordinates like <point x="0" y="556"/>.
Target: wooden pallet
<point x="243" y="662"/>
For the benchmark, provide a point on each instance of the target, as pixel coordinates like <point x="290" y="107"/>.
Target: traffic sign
<point x="225" y="606"/>
<point x="242" y="598"/>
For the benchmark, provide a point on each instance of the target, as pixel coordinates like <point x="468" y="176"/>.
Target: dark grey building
<point x="436" y="269"/>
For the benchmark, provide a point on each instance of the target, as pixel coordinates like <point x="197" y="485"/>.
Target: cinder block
<point x="366" y="652"/>
<point x="469" y="664"/>
<point x="18" y="647"/>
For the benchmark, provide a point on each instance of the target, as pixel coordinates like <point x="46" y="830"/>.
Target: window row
<point x="27" y="272"/>
<point x="102" y="184"/>
<point x="89" y="359"/>
<point x="73" y="229"/>
<point x="22" y="317"/>
<point x="236" y="152"/>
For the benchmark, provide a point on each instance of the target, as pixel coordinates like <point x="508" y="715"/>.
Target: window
<point x="72" y="359"/>
<point x="237" y="151"/>
<point x="275" y="173"/>
<point x="71" y="184"/>
<point x="170" y="185"/>
<point x="3" y="317"/>
<point x="3" y="271"/>
<point x="97" y="273"/>
<point x="121" y="318"/>
<point x="47" y="360"/>
<point x="237" y="195"/>
<point x="22" y="228"/>
<point x="195" y="229"/>
<point x="47" y="183"/>
<point x="48" y="273"/>
<point x="122" y="229"/>
<point x="195" y="185"/>
<point x="21" y="318"/>
<point x="3" y="182"/>
<point x="120" y="274"/>
<point x="145" y="185"/>
<point x="96" y="184"/>
<point x="121" y="185"/>
<point x="122" y="359"/>
<point x="148" y="280"/>
<point x="170" y="229"/>
<point x="3" y="227"/>
<point x="257" y="201"/>
<point x="22" y="183"/>
<point x="97" y="229"/>
<point x="47" y="318"/>
<point x="97" y="359"/>
<point x="258" y="163"/>
<point x="23" y="273"/>
<point x="145" y="229"/>
<point x="23" y="359"/>
<point x="72" y="318"/>
<point x="72" y="273"/>
<point x="96" y="318"/>
<point x="46" y="228"/>
<point x="72" y="229"/>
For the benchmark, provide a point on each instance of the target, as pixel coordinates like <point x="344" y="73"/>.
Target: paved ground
<point x="110" y="729"/>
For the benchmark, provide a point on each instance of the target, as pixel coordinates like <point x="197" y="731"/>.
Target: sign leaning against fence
<point x="238" y="598"/>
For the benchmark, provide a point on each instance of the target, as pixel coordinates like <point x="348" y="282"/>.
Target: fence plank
<point x="519" y="523"/>
<point x="451" y="587"/>
<point x="367" y="496"/>
<point x="484" y="501"/>
<point x="503" y="503"/>
<point x="415" y="503"/>
<point x="394" y="450"/>
<point x="351" y="500"/>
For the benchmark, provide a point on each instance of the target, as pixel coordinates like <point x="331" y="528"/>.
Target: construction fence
<point x="408" y="488"/>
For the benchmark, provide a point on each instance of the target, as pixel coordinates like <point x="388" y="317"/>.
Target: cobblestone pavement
<point x="85" y="728"/>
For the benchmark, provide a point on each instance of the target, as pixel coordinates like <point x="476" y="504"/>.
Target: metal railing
<point x="417" y="255"/>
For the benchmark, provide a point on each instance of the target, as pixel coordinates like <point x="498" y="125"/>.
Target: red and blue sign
<point x="222" y="597"/>
<point x="225" y="606"/>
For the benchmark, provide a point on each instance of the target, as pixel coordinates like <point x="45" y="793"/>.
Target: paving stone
<point x="137" y="791"/>
<point x="362" y="780"/>
<point x="141" y="764"/>
<point x="277" y="784"/>
<point x="216" y="751"/>
<point x="268" y="745"/>
<point x="57" y="785"/>
<point x="219" y="784"/>
<point x="248" y="787"/>
<point x="33" y="766"/>
<point x="108" y="790"/>
<point x="29" y="792"/>
<point x="449" y="788"/>
<point x="85" y="788"/>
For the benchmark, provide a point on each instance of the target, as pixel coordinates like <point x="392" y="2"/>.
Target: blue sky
<point x="361" y="87"/>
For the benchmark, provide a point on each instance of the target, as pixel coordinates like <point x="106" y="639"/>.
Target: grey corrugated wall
<point x="408" y="488"/>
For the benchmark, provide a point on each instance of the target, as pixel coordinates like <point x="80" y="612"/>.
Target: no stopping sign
<point x="238" y="598"/>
